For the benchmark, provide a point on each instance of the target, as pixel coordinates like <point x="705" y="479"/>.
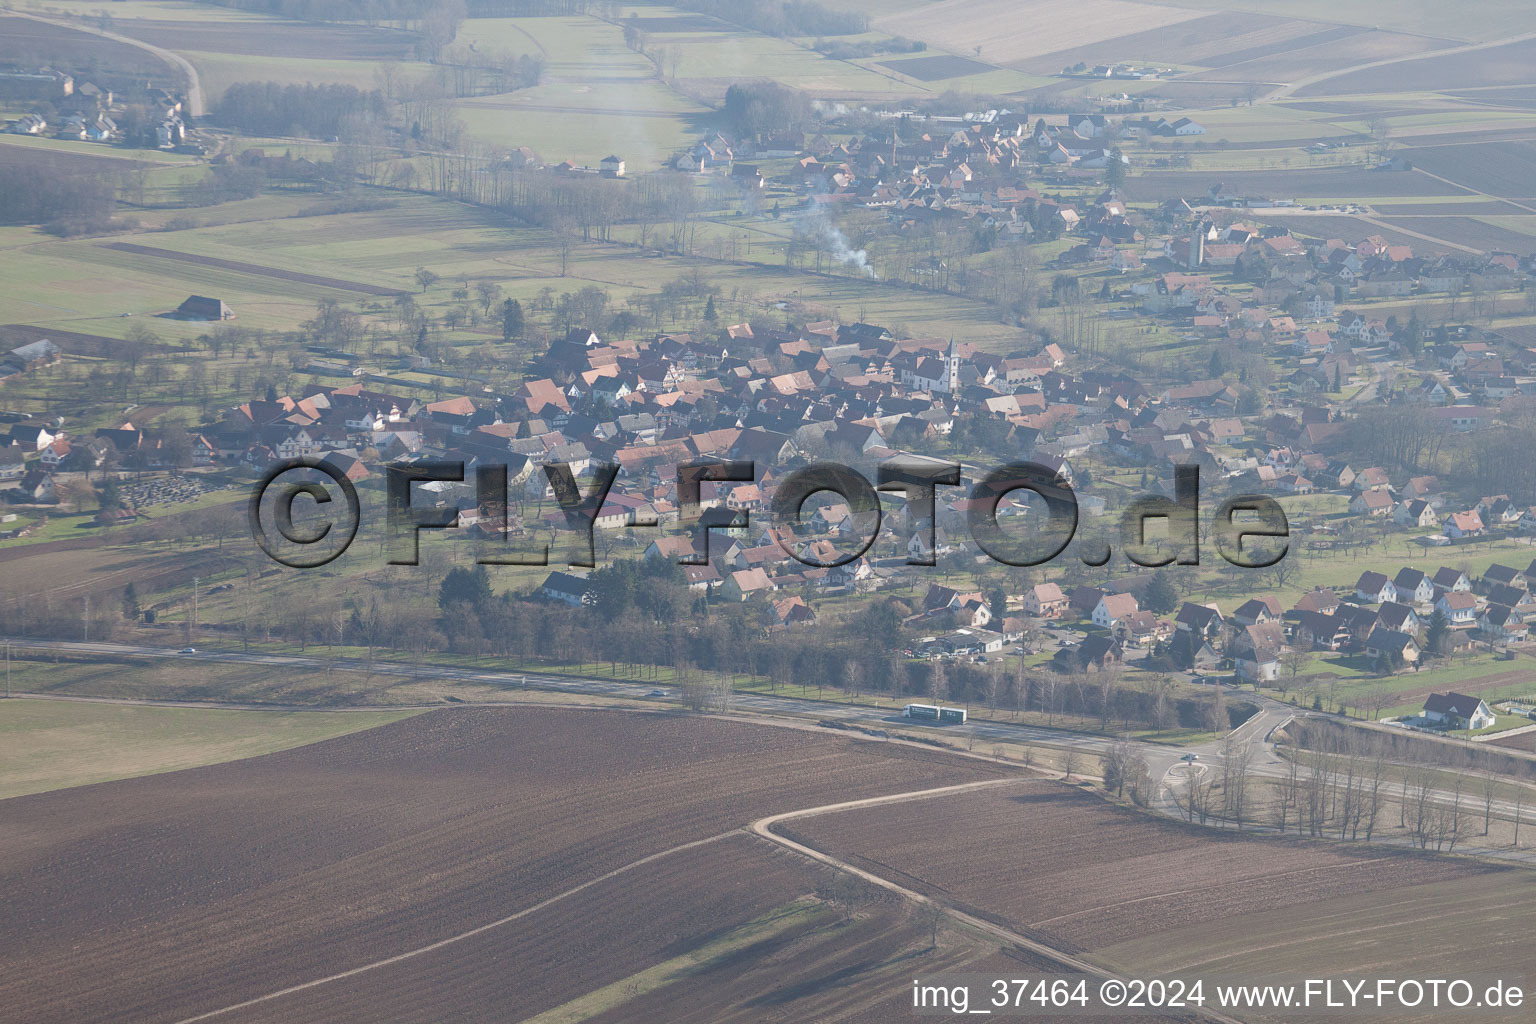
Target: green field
<point x="219" y="71"/>
<point x="48" y="744"/>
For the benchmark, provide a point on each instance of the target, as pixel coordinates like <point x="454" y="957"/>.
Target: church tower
<point x="952" y="367"/>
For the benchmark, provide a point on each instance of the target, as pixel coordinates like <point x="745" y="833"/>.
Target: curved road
<point x="195" y="103"/>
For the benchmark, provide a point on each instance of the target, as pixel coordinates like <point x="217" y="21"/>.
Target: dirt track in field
<point x="252" y="268"/>
<point x="1071" y="871"/>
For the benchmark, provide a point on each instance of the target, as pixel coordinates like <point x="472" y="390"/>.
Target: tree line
<point x="65" y="202"/>
<point x="316" y="111"/>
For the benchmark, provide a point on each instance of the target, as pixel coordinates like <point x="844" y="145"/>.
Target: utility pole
<point x="194" y="607"/>
<point x="8" y="697"/>
<point x="85" y="621"/>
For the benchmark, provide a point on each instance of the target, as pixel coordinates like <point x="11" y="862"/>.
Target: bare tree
<point x="1117" y="765"/>
<point x="1374" y="794"/>
<point x="847" y="891"/>
<point x="1139" y="781"/>
<point x="930" y="915"/>
<point x="853" y="676"/>
<point x="1069" y="760"/>
<point x="1202" y="790"/>
<point x="1235" y="770"/>
<point x="1289" y="795"/>
<point x="1457" y="825"/>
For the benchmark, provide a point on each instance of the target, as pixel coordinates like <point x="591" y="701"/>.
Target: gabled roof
<point x="1453" y="703"/>
<point x="1445" y="577"/>
<point x="1371" y="582"/>
<point x="1118" y="606"/>
<point x="1197" y="616"/>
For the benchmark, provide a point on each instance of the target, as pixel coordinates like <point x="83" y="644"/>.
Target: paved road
<point x="1163" y="760"/>
<point x="981" y="729"/>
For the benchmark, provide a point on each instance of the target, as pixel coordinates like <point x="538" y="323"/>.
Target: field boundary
<point x="252" y="268"/>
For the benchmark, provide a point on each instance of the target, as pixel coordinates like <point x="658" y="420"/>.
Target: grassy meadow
<point x="51" y="744"/>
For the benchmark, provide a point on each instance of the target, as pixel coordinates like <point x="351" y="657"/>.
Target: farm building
<point x="200" y="307"/>
<point x="30" y="356"/>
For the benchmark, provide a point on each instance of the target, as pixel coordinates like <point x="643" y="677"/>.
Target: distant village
<point x="782" y="393"/>
<point x="82" y="111"/>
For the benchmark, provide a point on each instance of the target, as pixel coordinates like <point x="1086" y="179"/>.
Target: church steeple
<point x="952" y="367"/>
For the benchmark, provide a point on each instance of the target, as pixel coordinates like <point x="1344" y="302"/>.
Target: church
<point x="929" y="373"/>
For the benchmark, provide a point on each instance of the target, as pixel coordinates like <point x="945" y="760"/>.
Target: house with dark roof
<point x="1502" y="624"/>
<point x="567" y="588"/>
<point x="1446" y="578"/>
<point x="1457" y="711"/>
<point x="1256" y="610"/>
<point x="1413" y="585"/>
<point x="1202" y="620"/>
<point x="1390" y="644"/>
<point x="1375" y="588"/>
<point x="1504" y="575"/>
<point x="1096" y="652"/>
<point x="1397" y="616"/>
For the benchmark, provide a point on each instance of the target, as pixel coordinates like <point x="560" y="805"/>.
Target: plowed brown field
<point x="1082" y="875"/>
<point x="173" y="896"/>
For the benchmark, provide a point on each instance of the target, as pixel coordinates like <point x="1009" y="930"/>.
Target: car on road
<point x="657" y="693"/>
<point x="1190" y="758"/>
<point x="188" y="650"/>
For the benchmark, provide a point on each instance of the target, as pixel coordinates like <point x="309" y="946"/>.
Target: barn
<point x="200" y="307"/>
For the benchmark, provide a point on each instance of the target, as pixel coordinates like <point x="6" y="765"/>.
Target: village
<point x="1307" y="339"/>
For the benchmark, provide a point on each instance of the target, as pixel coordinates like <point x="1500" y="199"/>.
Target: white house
<point x="1457" y="711"/>
<point x="1374" y="587"/>
<point x="1458" y="606"/>
<point x="1463" y="524"/>
<point x="1112" y="608"/>
<point x="1414" y="586"/>
<point x="566" y="588"/>
<point x="1416" y="513"/>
